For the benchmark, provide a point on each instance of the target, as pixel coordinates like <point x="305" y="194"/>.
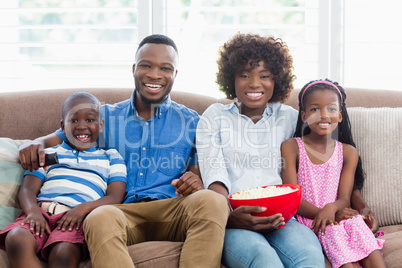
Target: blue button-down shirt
<point x="156" y="151"/>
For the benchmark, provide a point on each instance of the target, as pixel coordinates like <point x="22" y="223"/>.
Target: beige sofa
<point x="377" y="131"/>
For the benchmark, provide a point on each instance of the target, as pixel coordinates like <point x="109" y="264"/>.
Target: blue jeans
<point x="294" y="245"/>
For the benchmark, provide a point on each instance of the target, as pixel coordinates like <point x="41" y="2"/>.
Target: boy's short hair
<point x="80" y="95"/>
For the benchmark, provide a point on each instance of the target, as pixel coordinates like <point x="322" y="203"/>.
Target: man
<point x="165" y="199"/>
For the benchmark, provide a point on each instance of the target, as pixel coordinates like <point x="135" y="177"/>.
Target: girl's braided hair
<point x="342" y="133"/>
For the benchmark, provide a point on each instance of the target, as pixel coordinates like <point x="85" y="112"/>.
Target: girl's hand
<point x="346" y="213"/>
<point x="370" y="220"/>
<point x="326" y="216"/>
<point x="37" y="223"/>
<point x="241" y="218"/>
<point x="73" y="217"/>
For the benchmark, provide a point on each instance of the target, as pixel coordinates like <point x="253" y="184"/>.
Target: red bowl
<point x="286" y="204"/>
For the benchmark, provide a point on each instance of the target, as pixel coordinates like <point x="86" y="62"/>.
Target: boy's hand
<point x="187" y="184"/>
<point x="37" y="224"/>
<point x="73" y="217"/>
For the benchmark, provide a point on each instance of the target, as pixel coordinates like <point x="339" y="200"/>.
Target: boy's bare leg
<point x="21" y="249"/>
<point x="374" y="260"/>
<point x="65" y="255"/>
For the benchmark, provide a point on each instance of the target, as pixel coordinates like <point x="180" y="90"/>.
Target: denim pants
<point x="294" y="245"/>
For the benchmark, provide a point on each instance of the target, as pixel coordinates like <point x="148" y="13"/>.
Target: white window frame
<point x="331" y="45"/>
<point x="330" y="30"/>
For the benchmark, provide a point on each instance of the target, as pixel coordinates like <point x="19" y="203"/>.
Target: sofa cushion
<point x="377" y="133"/>
<point x="150" y="254"/>
<point x="393" y="244"/>
<point x="147" y="254"/>
<point x="156" y="254"/>
<point x="11" y="174"/>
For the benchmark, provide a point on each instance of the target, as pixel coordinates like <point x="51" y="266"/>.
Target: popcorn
<point x="263" y="192"/>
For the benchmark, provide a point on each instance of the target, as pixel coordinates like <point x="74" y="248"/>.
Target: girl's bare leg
<point x="350" y="265"/>
<point x="374" y="260"/>
<point x="21" y="249"/>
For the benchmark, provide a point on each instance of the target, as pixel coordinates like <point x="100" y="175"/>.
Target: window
<point x="63" y="44"/>
<point x="78" y="44"/>
<point x="373" y="44"/>
<point x="201" y="27"/>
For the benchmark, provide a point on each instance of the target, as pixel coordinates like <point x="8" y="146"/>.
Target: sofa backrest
<point x="377" y="132"/>
<point x="32" y="114"/>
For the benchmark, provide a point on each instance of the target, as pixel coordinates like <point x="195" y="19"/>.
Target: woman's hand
<point x="241" y="218"/>
<point x="326" y="216"/>
<point x="37" y="223"/>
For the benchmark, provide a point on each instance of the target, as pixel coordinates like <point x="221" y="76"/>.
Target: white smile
<point x="82" y="138"/>
<point x="153" y="86"/>
<point x="254" y="95"/>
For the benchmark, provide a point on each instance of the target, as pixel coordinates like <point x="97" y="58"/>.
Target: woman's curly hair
<point x="244" y="48"/>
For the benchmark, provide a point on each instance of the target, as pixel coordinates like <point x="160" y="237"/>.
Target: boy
<point x="56" y="201"/>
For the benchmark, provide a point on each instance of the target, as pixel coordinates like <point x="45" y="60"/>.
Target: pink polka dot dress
<point x="351" y="240"/>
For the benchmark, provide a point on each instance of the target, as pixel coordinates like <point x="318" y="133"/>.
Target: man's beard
<point x="153" y="103"/>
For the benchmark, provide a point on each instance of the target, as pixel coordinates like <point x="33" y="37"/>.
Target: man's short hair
<point x="158" y="39"/>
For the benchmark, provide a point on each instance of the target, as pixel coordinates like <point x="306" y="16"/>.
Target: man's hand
<point x="187" y="184"/>
<point x="241" y="218"/>
<point x="32" y="155"/>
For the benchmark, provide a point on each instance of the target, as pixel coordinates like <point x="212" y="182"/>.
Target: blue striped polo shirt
<point x="80" y="176"/>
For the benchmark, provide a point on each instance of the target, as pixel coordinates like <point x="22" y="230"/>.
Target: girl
<point x="322" y="158"/>
<point x="238" y="147"/>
